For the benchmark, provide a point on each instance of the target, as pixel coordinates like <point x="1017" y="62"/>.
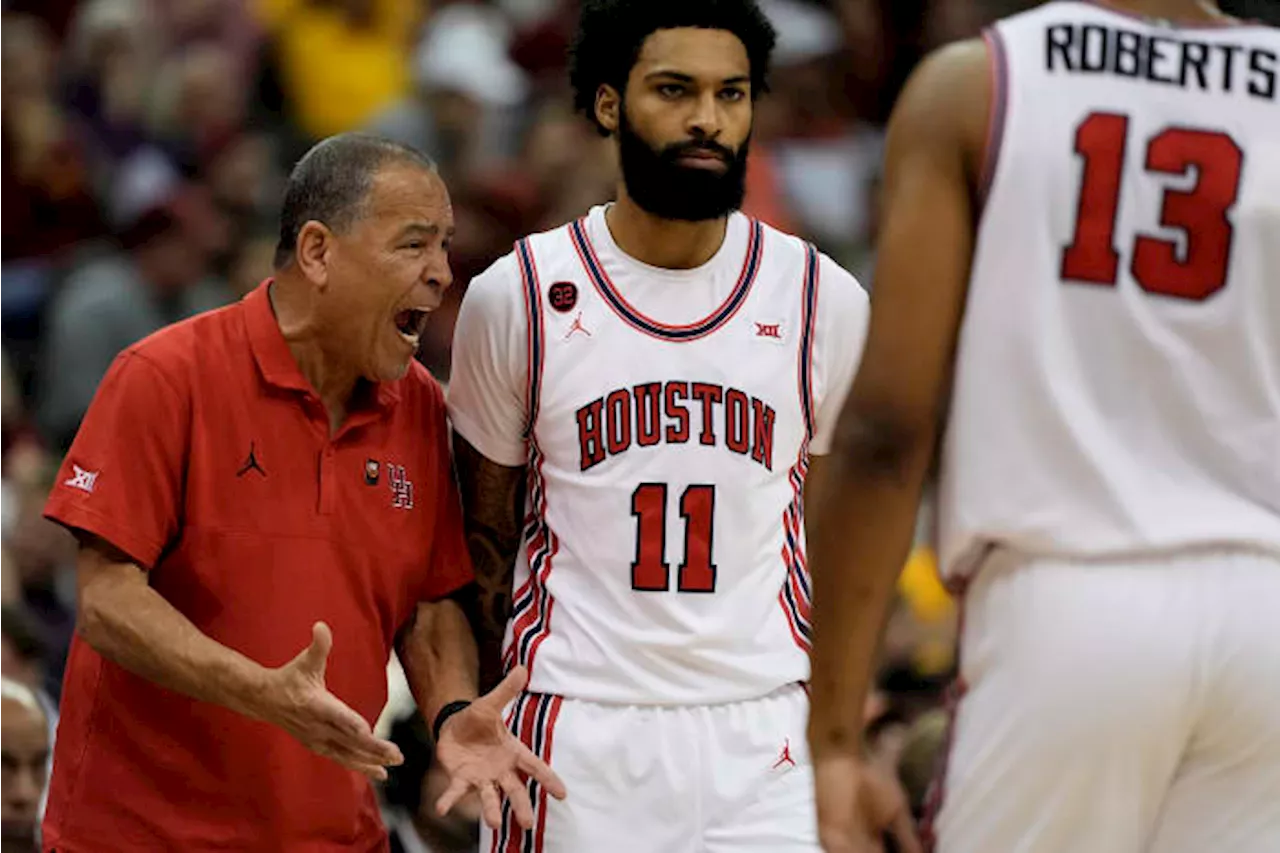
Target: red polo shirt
<point x="206" y="457"/>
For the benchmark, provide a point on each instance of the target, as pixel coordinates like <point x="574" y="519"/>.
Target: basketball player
<point x="661" y="374"/>
<point x="1078" y="273"/>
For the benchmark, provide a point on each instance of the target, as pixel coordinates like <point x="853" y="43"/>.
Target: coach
<point x="263" y="479"/>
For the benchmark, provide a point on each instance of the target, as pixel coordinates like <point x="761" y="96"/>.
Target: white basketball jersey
<point x="666" y="452"/>
<point x="1117" y="384"/>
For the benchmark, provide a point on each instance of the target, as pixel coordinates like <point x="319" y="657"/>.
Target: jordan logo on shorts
<point x="785" y="757"/>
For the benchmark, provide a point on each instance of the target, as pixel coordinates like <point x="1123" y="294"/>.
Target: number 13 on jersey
<point x="650" y="571"/>
<point x="1201" y="212"/>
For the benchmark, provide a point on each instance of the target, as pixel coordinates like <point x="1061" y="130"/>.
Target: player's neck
<point x="1190" y="11"/>
<point x="333" y="380"/>
<point x="667" y="243"/>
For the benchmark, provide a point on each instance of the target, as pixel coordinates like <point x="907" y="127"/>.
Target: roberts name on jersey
<point x="1171" y="58"/>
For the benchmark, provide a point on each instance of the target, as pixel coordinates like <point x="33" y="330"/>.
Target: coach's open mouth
<point x="410" y="323"/>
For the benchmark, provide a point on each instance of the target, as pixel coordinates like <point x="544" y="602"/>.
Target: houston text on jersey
<point x="1179" y="61"/>
<point x="605" y="425"/>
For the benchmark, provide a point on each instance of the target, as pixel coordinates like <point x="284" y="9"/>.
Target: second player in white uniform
<point x="1109" y="497"/>
<point x="664" y="410"/>
<point x="664" y="564"/>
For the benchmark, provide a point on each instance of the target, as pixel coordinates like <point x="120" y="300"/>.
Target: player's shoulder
<point x="946" y="107"/>
<point x="793" y="252"/>
<point x="778" y="246"/>
<point x="501" y="286"/>
<point x="951" y="78"/>
<point x="505" y="275"/>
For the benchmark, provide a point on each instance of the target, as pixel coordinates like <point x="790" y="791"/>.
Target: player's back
<point x="1117" y="383"/>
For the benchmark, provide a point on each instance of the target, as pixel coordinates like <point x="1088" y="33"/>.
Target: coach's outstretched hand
<point x="857" y="805"/>
<point x="478" y="751"/>
<point x="298" y="702"/>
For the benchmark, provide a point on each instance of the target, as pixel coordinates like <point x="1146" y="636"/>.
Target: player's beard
<point x="663" y="187"/>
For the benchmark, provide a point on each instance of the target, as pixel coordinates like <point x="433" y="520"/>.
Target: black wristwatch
<point x="445" y="713"/>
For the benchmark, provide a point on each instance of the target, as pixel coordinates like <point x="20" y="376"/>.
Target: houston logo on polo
<point x="401" y="487"/>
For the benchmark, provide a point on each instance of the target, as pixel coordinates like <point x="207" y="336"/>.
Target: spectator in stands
<point x="47" y="197"/>
<point x="108" y="68"/>
<point x="159" y="276"/>
<point x="48" y="205"/>
<point x="340" y="61"/>
<point x="10" y="399"/>
<point x="226" y="22"/>
<point x="24" y="763"/>
<point x="198" y="104"/>
<point x="241" y="175"/>
<point x="465" y="106"/>
<point x="252" y="260"/>
<point x="36" y="553"/>
<point x="24" y="656"/>
<point x="21" y="649"/>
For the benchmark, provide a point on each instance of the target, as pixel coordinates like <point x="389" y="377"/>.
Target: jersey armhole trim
<point x="808" y="315"/>
<point x="998" y="69"/>
<point x="533" y="316"/>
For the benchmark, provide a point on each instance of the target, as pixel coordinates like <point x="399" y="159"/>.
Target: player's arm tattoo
<point x="492" y="510"/>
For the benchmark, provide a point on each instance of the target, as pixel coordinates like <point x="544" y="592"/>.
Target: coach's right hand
<point x="297" y="701"/>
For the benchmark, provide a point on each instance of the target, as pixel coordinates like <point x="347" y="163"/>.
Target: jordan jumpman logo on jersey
<point x="785" y="757"/>
<point x="577" y="327"/>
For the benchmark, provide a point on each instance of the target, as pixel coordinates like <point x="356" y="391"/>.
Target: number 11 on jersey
<point x="650" y="572"/>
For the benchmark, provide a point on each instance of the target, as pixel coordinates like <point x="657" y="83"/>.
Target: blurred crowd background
<point x="144" y="148"/>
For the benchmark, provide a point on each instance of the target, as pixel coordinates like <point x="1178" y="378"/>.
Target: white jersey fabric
<point x="666" y="419"/>
<point x="1117" y="385"/>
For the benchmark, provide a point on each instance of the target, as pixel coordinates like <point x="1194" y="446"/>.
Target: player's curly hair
<point x="611" y="32"/>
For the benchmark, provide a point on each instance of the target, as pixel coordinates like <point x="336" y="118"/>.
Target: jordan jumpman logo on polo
<point x="251" y="464"/>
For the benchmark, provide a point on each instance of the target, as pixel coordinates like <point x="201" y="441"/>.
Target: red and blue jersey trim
<point x="531" y="613"/>
<point x="533" y="317"/>
<point x="998" y="65"/>
<point x="533" y="720"/>
<point x="531" y="610"/>
<point x="796" y="595"/>
<point x="701" y="328"/>
<point x="808" y="320"/>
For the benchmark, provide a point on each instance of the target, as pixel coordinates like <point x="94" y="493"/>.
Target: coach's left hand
<point x="478" y="751"/>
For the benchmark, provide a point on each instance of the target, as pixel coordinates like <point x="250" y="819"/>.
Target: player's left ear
<point x="608" y="102"/>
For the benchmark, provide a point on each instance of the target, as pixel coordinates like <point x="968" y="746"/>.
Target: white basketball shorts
<point x="667" y="779"/>
<point x="1117" y="707"/>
